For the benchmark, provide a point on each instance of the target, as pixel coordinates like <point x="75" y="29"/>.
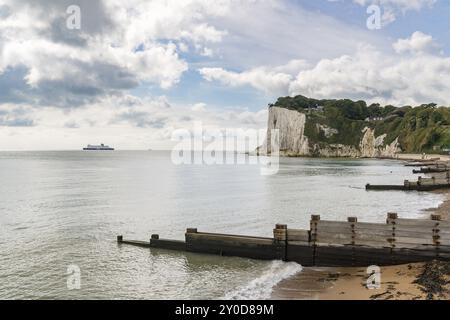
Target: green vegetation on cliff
<point x="419" y="129"/>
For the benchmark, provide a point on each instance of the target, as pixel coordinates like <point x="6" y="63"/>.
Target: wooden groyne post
<point x="280" y="241"/>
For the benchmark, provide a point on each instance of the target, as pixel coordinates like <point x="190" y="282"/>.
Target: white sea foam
<point x="261" y="287"/>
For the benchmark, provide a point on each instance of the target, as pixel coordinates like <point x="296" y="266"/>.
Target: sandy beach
<point x="406" y="156"/>
<point x="418" y="281"/>
<point x="350" y="284"/>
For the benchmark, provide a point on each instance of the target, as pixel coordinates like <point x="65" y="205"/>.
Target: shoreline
<point x="397" y="282"/>
<point x="444" y="207"/>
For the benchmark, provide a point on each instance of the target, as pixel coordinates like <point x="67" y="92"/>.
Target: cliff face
<point x="371" y="146"/>
<point x="295" y="142"/>
<point x="291" y="126"/>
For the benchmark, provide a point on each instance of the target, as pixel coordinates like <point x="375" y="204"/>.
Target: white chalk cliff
<point x="293" y="141"/>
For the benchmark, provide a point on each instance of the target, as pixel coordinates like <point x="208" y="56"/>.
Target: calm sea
<point x="61" y="209"/>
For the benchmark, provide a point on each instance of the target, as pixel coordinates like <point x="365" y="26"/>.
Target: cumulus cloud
<point x="275" y="80"/>
<point x="125" y="45"/>
<point x="419" y="42"/>
<point x="261" y="78"/>
<point x="369" y="74"/>
<point x="120" y="46"/>
<point x="375" y="76"/>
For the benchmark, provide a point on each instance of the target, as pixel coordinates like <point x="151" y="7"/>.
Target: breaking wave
<point x="261" y="287"/>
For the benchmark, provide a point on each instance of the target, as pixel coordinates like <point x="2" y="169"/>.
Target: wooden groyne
<point x="432" y="167"/>
<point x="431" y="170"/>
<point x="439" y="177"/>
<point x="326" y="243"/>
<point x="422" y="162"/>
<point x="422" y="184"/>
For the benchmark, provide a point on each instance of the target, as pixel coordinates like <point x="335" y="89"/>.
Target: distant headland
<point x="346" y="128"/>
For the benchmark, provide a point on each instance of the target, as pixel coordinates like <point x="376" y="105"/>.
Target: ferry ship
<point x="101" y="147"/>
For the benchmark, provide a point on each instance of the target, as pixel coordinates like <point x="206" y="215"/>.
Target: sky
<point x="130" y="73"/>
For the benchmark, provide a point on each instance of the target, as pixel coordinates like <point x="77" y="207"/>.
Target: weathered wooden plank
<point x="168" y="244"/>
<point x="372" y="226"/>
<point x="372" y="244"/>
<point x="228" y="239"/>
<point x="347" y="233"/>
<point x="411" y="240"/>
<point x="220" y="244"/>
<point x="337" y="252"/>
<point x="411" y="255"/>
<point x="327" y="234"/>
<point x="414" y="222"/>
<point x="444" y="225"/>
<point x="300" y="254"/>
<point x="443" y="235"/>
<point x="375" y="233"/>
<point x="333" y="238"/>
<point x="334" y="256"/>
<point x="400" y="245"/>
<point x="385" y="187"/>
<point x="229" y="235"/>
<point x="413" y="234"/>
<point x="300" y="243"/>
<point x="262" y="252"/>
<point x="365" y="251"/>
<point x="297" y="235"/>
<point x="333" y="224"/>
<point x="444" y="242"/>
<point x="374" y="237"/>
<point x="442" y="232"/>
<point x="443" y="248"/>
<point x="144" y="244"/>
<point x="372" y="256"/>
<point x="334" y="242"/>
<point x="410" y="228"/>
<point x="334" y="245"/>
<point x="443" y="256"/>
